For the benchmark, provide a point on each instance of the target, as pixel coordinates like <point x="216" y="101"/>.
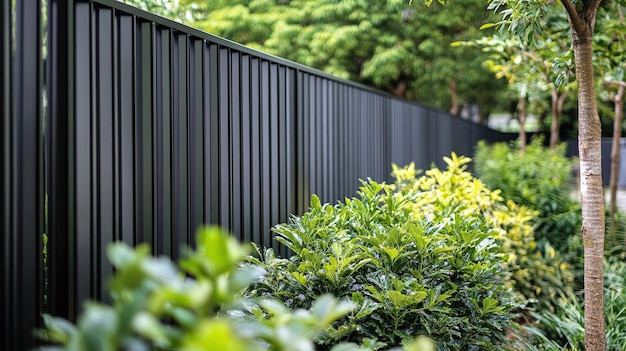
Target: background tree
<point x="506" y="63"/>
<point x="389" y="45"/>
<point x="173" y="9"/>
<point x="552" y="60"/>
<point x="543" y="66"/>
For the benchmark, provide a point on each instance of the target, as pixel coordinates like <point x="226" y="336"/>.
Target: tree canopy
<point x="537" y="70"/>
<point x="389" y="45"/>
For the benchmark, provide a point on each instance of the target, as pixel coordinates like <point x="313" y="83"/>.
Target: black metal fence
<point x="120" y="125"/>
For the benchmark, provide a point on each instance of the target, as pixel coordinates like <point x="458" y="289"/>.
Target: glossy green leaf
<point x="315" y="202"/>
<point x="58" y="330"/>
<point x="98" y="328"/>
<point x="147" y="325"/>
<point x="326" y="309"/>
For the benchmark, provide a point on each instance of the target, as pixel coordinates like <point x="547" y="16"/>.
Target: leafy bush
<point x="156" y="306"/>
<point x="539" y="178"/>
<point x="538" y="272"/>
<point x="414" y="263"/>
<point x="564" y="329"/>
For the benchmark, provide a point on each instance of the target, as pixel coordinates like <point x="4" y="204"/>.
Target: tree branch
<point x="531" y="56"/>
<point x="542" y="65"/>
<point x="562" y="97"/>
<point x="620" y="92"/>
<point x="577" y="23"/>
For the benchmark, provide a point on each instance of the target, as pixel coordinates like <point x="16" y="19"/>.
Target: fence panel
<point x="152" y="128"/>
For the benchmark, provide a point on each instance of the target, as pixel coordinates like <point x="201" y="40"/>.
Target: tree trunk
<point x="400" y="89"/>
<point x="556" y="113"/>
<point x="455" y="107"/>
<point x="615" y="151"/>
<point x="591" y="190"/>
<point x="522" y="122"/>
<point x="480" y="117"/>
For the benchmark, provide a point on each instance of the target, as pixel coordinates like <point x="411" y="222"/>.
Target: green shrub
<point x="539" y="178"/>
<point x="156" y="306"/>
<point x="538" y="272"/>
<point x="439" y="272"/>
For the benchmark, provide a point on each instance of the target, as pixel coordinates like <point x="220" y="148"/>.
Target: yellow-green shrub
<point x="537" y="273"/>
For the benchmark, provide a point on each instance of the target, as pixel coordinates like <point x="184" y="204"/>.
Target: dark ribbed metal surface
<point x="153" y="128"/>
<point x="21" y="160"/>
<point x="6" y="166"/>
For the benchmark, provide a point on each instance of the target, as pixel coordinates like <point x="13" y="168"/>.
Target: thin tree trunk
<point x="400" y="89"/>
<point x="591" y="190"/>
<point x="522" y="122"/>
<point x="615" y="151"/>
<point x="556" y="113"/>
<point x="480" y="117"/>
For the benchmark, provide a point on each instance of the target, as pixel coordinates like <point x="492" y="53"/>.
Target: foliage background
<point x="390" y="45"/>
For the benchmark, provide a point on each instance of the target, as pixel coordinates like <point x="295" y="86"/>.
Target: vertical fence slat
<point x="6" y="243"/>
<point x="327" y="146"/>
<point x="163" y="143"/>
<point x="312" y="129"/>
<point x="22" y="171"/>
<point x="62" y="300"/>
<point x="185" y="229"/>
<point x="6" y="169"/>
<point x="206" y="132"/>
<point x="291" y="139"/>
<point x="235" y="144"/>
<point x="343" y="138"/>
<point x="256" y="151"/>
<point x="143" y="185"/>
<point x="180" y="133"/>
<point x="105" y="162"/>
<point x="265" y="194"/>
<point x="224" y="139"/>
<point x="213" y="133"/>
<point x="126" y="140"/>
<point x="84" y="154"/>
<point x="246" y="152"/>
<point x="196" y="132"/>
<point x="282" y="144"/>
<point x="274" y="141"/>
<point x="303" y="144"/>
